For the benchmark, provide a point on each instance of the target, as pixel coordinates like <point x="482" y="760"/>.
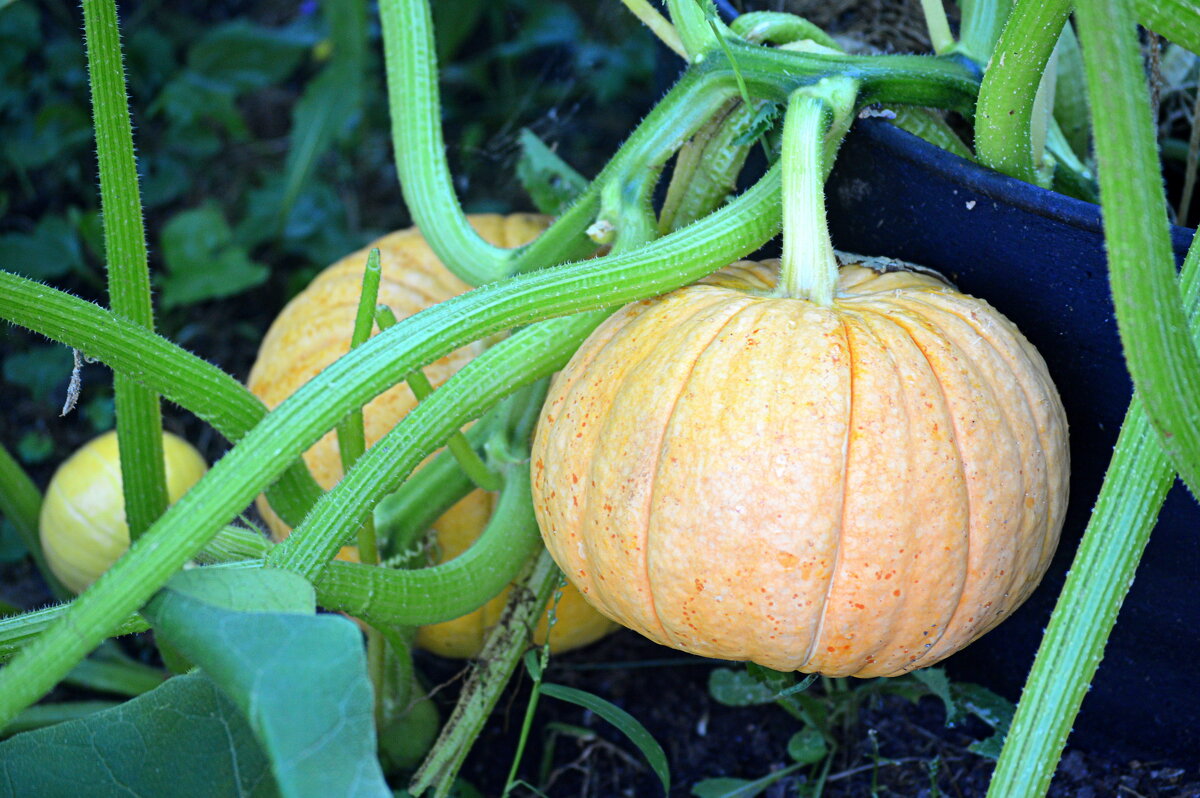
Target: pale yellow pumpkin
<point x="314" y="330"/>
<point x="855" y="489"/>
<point x="82" y="520"/>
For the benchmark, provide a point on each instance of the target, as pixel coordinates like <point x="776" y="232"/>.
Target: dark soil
<point x="894" y="747"/>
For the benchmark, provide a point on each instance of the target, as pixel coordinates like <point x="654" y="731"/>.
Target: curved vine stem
<point x="411" y="62"/>
<point x="139" y="419"/>
<point x="180" y="376"/>
<point x="1004" y="115"/>
<point x="1161" y="356"/>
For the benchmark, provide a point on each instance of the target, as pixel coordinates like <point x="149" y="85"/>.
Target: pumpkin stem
<point x="815" y="114"/>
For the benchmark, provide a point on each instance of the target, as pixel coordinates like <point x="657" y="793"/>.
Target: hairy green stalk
<point x="411" y="63"/>
<point x="1159" y="352"/>
<point x="419" y="384"/>
<point x="139" y="420"/>
<point x="1004" y="120"/>
<point x="127" y="348"/>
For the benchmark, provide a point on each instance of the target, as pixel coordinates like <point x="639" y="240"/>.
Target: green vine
<point x="139" y="421"/>
<point x="1004" y="117"/>
<point x="1160" y="354"/>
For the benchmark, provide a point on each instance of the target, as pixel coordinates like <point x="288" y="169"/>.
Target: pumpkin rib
<point x="961" y="532"/>
<point x="837" y="549"/>
<point x="867" y="658"/>
<point x="946" y="623"/>
<point x="664" y="439"/>
<point x="584" y="452"/>
<point x="678" y="628"/>
<point x="1045" y="422"/>
<point x="1038" y="523"/>
<point x="897" y="628"/>
<point x="976" y="580"/>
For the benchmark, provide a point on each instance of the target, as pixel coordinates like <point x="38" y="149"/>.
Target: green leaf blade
<point x="204" y="260"/>
<point x="300" y="679"/>
<point x="185" y="739"/>
<point x="623" y="721"/>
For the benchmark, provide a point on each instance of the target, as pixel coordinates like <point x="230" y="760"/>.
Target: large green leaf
<point x="299" y="678"/>
<point x="50" y="251"/>
<point x="184" y="739"/>
<point x="247" y="56"/>
<point x="203" y="260"/>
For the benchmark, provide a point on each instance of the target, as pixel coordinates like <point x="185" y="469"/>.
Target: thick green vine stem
<point x="1130" y="499"/>
<point x="707" y="167"/>
<point x="691" y="19"/>
<point x="501" y="653"/>
<point x="1007" y="97"/>
<point x="402" y="597"/>
<point x="422" y="388"/>
<point x="185" y="379"/>
<point x="1161" y="356"/>
<point x="411" y="64"/>
<point x="139" y="420"/>
<point x="809" y="267"/>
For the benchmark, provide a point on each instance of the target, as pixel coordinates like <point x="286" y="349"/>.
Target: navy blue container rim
<point x="997" y="186"/>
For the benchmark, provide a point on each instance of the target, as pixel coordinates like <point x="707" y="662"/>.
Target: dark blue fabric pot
<point x="1039" y="258"/>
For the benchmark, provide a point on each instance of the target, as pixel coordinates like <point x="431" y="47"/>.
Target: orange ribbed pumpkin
<point x="856" y="489"/>
<point x="314" y="330"/>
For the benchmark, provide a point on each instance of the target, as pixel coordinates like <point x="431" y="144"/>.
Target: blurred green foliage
<point x="264" y="152"/>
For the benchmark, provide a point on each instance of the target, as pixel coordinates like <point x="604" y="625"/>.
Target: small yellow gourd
<point x="82" y="523"/>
